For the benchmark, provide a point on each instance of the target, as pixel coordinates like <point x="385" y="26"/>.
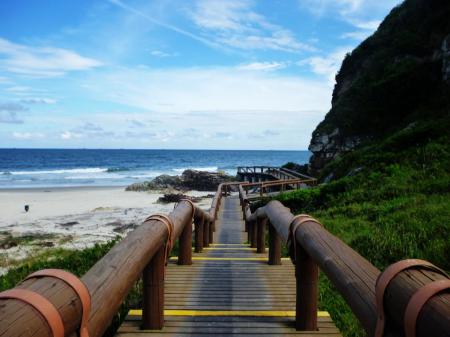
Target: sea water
<point x="37" y="168"/>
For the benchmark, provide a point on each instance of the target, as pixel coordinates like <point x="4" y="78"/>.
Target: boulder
<point x="177" y="197"/>
<point x="161" y="182"/>
<point x="189" y="180"/>
<point x="328" y="146"/>
<point x="203" y="181"/>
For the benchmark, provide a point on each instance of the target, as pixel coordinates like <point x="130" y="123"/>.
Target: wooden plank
<point x="229" y="290"/>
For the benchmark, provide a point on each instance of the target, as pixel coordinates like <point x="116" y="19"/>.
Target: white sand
<point x="98" y="214"/>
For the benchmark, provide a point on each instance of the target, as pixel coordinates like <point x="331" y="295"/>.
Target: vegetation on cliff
<point x="398" y="76"/>
<point x="389" y="201"/>
<point x="384" y="149"/>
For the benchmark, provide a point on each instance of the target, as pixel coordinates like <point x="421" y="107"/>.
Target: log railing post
<point x="211" y="232"/>
<point x="153" y="291"/>
<point x="261" y="235"/>
<point x="185" y="245"/>
<point x="206" y="225"/>
<point x="274" y="246"/>
<point x="198" y="222"/>
<point x="252" y="232"/>
<point x="306" y="273"/>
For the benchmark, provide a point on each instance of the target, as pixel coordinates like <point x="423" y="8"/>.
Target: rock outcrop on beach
<point x="189" y="180"/>
<point x="177" y="197"/>
<point x="397" y="77"/>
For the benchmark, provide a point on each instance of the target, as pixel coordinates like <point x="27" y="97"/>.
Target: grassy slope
<point x="391" y="201"/>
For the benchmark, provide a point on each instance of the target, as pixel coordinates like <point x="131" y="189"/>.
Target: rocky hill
<point x="398" y="78"/>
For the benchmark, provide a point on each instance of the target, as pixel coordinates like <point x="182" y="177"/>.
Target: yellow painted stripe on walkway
<point x="228" y="248"/>
<point x="254" y="313"/>
<point x="229" y="244"/>
<point x="198" y="258"/>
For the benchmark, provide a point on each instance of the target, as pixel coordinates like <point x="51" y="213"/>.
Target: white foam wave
<point x="78" y="170"/>
<point x="207" y="168"/>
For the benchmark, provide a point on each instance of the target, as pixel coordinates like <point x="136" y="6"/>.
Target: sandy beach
<point x="72" y="218"/>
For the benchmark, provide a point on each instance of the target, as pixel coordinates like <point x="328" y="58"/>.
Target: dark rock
<point x="124" y="227"/>
<point x="203" y="181"/>
<point x="8" y="244"/>
<point x="177" y="197"/>
<point x="161" y="182"/>
<point x="189" y="180"/>
<point x="69" y="224"/>
<point x="328" y="146"/>
<point x="114" y="223"/>
<point x="45" y="244"/>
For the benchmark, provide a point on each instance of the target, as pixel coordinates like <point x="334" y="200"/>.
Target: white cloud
<point x="18" y="88"/>
<point x="358" y="35"/>
<point x="365" y="29"/>
<point x="328" y="65"/>
<point x="160" y="53"/>
<point x="349" y="8"/>
<point x="38" y="100"/>
<point x="367" y="25"/>
<point x="262" y="66"/>
<point x="189" y="90"/>
<point x="167" y="26"/>
<point x="28" y="135"/>
<point x="214" y="100"/>
<point x="364" y="15"/>
<point x="66" y="135"/>
<point x="41" y="61"/>
<point x="234" y="23"/>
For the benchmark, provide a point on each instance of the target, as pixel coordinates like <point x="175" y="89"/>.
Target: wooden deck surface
<point x="228" y="291"/>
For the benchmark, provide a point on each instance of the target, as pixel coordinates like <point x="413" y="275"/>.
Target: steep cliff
<point x="397" y="78"/>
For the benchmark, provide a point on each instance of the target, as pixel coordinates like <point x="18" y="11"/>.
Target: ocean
<point x="38" y="168"/>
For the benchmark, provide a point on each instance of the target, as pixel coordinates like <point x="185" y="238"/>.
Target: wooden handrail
<point x="116" y="273"/>
<point x="352" y="275"/>
<point x="277" y="182"/>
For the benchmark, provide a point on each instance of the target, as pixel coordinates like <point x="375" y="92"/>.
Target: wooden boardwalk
<point x="229" y="290"/>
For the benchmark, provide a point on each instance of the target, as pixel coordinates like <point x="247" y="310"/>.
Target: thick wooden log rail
<point x="353" y="276"/>
<point x="142" y="254"/>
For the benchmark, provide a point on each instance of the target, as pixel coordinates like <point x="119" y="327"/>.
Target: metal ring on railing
<point x="77" y="285"/>
<point x="386" y="277"/>
<point x="418" y="300"/>
<point x="291" y="241"/>
<point x="170" y="228"/>
<point x="192" y="205"/>
<point x="42" y="305"/>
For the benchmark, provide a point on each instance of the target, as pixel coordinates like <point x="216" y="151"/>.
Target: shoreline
<point x="58" y="188"/>
<point x="72" y="218"/>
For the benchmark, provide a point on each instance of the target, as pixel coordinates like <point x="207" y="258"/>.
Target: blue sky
<point x="200" y="74"/>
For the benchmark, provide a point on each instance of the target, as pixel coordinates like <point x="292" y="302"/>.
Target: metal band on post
<point x="386" y="277"/>
<point x="291" y="241"/>
<point x="78" y="286"/>
<point x="192" y="205"/>
<point x="418" y="300"/>
<point x="45" y="308"/>
<point x="170" y="227"/>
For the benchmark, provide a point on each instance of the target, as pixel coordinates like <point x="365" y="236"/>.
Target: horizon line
<point x="143" y="149"/>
